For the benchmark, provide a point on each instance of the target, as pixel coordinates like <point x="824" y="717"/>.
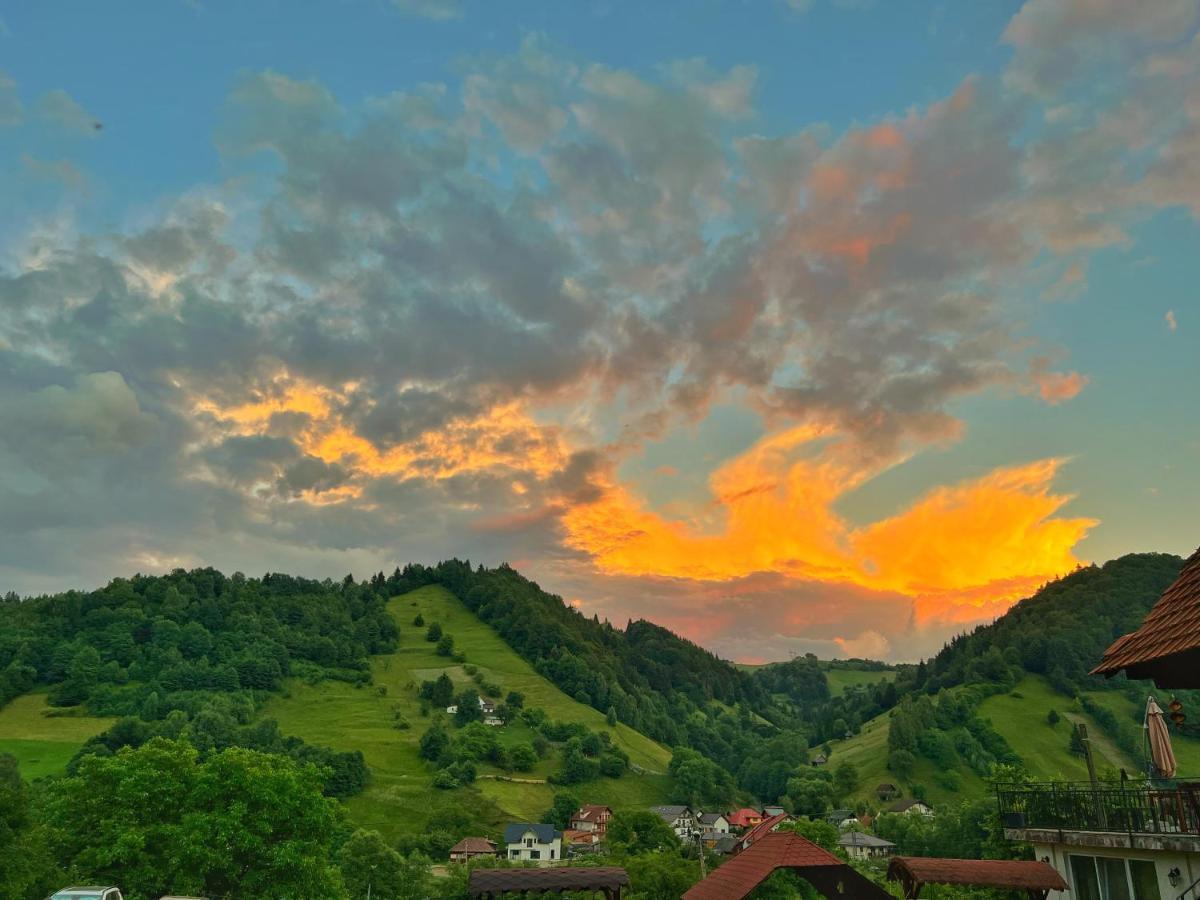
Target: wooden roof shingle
<point x="1167" y="645"/>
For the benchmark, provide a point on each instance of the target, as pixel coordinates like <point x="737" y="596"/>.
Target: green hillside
<point x="842" y="679"/>
<point x="44" y="739"/>
<point x="345" y="717"/>
<point x="1020" y="716"/>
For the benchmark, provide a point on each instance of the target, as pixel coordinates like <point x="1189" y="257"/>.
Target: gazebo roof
<point x="779" y="850"/>
<point x="1012" y="874"/>
<point x="483" y="882"/>
<point x="1167" y="645"/>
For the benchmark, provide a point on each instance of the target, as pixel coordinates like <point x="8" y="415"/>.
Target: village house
<point x="819" y="760"/>
<point x="865" y="846"/>
<point x="493" y="721"/>
<point x="887" y="791"/>
<point x="744" y="818"/>
<point x="530" y="842"/>
<point x="680" y="818"/>
<point x="769" y="811"/>
<point x="592" y="819"/>
<point x="577" y="841"/>
<point x="912" y="808"/>
<point x="713" y="826"/>
<point x="1143" y="840"/>
<point x="471" y="848"/>
<point x="842" y="819"/>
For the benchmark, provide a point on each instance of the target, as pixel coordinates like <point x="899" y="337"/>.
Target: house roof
<point x="670" y="813"/>
<point x="474" y="845"/>
<point x="765" y="827"/>
<point x="742" y="817"/>
<point x="484" y="882"/>
<point x="905" y="805"/>
<point x="727" y="843"/>
<point x="1001" y="873"/>
<point x="858" y="839"/>
<point x="514" y="832"/>
<point x="1167" y="645"/>
<point x="840" y="814"/>
<point x="572" y="836"/>
<point x="738" y="877"/>
<point x="590" y="813"/>
<point x="773" y="810"/>
<point x="710" y="818"/>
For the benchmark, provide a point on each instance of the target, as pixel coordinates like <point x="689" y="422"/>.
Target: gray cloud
<point x="11" y="110"/>
<point x="641" y="253"/>
<point x="63" y="111"/>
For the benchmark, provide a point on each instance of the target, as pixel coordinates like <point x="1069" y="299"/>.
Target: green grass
<point x="338" y="715"/>
<point x="1187" y="749"/>
<point x="841" y="679"/>
<point x="43" y="744"/>
<point x="1020" y="717"/>
<point x="1044" y="748"/>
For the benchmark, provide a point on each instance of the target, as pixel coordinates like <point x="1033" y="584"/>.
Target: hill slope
<point x="1020" y="717"/>
<point x="345" y="717"/>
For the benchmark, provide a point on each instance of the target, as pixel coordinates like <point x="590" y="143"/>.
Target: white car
<point x="87" y="893"/>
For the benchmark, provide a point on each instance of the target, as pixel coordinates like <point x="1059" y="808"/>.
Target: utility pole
<point x="698" y="835"/>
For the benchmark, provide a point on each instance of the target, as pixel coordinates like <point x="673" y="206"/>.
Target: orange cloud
<point x="1055" y="387"/>
<point x="961" y="552"/>
<point x="503" y="437"/>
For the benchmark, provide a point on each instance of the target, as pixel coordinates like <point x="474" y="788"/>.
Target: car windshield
<point x="78" y="895"/>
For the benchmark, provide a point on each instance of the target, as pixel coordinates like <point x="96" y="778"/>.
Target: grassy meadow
<point x="348" y="718"/>
<point x="841" y="679"/>
<point x="42" y="743"/>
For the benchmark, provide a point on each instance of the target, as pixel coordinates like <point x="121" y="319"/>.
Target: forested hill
<point x="1061" y="631"/>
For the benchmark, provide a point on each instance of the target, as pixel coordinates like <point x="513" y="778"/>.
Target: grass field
<point x="43" y="744"/>
<point x="840" y="679"/>
<point x="1020" y="717"/>
<point x="1187" y="750"/>
<point x="347" y="718"/>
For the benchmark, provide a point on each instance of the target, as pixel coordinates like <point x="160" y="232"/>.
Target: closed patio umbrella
<point x="1160" y="740"/>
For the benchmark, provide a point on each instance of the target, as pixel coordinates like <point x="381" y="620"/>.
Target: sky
<point x="831" y="326"/>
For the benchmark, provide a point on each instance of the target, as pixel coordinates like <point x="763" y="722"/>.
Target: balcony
<point x="1110" y="815"/>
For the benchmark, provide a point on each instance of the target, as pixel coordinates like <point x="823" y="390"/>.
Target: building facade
<point x="529" y="842"/>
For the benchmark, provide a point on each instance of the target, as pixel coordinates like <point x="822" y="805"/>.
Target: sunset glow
<point x="787" y="348"/>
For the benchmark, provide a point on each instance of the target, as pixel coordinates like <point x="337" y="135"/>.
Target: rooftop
<point x="858" y="839"/>
<point x="483" y="882"/>
<point x="1167" y="645"/>
<point x="545" y="833"/>
<point x="1020" y="875"/>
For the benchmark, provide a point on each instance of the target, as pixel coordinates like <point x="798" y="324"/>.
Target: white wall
<point x="1164" y="860"/>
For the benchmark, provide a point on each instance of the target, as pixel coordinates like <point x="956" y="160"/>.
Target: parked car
<point x="87" y="893"/>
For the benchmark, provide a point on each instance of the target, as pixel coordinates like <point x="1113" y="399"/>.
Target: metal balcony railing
<point x="1079" y="806"/>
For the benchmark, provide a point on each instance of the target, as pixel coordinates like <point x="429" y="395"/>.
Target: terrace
<point x="1165" y="817"/>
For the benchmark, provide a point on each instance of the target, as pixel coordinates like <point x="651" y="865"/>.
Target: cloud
<point x="63" y="111"/>
<point x="1056" y="40"/>
<point x="445" y="320"/>
<point x="1171" y="321"/>
<point x="438" y="10"/>
<point x="1054" y="387"/>
<point x="11" y="110"/>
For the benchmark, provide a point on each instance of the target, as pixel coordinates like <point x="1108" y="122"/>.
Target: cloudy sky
<point x="795" y="325"/>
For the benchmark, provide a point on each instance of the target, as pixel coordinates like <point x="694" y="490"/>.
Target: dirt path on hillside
<point x="1102" y="743"/>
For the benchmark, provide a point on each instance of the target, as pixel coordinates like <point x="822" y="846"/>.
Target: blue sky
<point x="862" y="317"/>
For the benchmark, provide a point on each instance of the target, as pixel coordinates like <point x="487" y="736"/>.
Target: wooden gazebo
<point x="495" y="883"/>
<point x="785" y="850"/>
<point x="1037" y="879"/>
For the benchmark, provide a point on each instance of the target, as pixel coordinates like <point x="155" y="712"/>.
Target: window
<point x="535" y="854"/>
<point x="1112" y="878"/>
<point x="552" y="854"/>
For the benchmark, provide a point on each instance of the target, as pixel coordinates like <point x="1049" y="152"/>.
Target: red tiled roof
<point x="741" y="818"/>
<point x="1021" y="875"/>
<point x="766" y="826"/>
<point x="739" y="876"/>
<point x="474" y="845"/>
<point x="1171" y="627"/>
<point x="590" y="813"/>
<point x="574" y="836"/>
